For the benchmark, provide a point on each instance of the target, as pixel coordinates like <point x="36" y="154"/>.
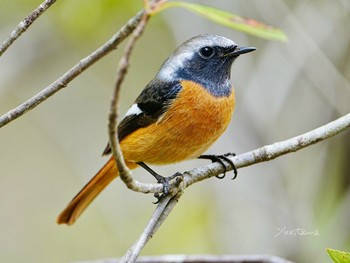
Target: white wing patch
<point x="134" y="110"/>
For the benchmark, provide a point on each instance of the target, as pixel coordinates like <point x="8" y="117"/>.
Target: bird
<point x="180" y="113"/>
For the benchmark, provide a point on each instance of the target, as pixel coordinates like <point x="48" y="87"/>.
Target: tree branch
<point x="262" y="154"/>
<point x="132" y="254"/>
<point x="202" y="259"/>
<point x="178" y="185"/>
<point x="165" y="206"/>
<point x="123" y="66"/>
<point x="25" y="24"/>
<point x="124" y="171"/>
<point x="75" y="71"/>
<point x="272" y="151"/>
<point x="214" y="259"/>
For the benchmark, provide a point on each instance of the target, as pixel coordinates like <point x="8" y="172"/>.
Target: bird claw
<point x="220" y="159"/>
<point x="160" y="179"/>
<point x="165" y="181"/>
<point x="158" y="196"/>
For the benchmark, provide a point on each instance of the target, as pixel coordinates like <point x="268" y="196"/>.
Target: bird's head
<point x="205" y="59"/>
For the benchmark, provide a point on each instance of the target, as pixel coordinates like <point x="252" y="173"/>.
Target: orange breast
<point x="193" y="122"/>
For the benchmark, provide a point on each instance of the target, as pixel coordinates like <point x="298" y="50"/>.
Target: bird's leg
<point x="160" y="179"/>
<point x="220" y="159"/>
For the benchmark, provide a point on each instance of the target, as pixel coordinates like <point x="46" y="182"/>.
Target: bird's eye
<point x="206" y="52"/>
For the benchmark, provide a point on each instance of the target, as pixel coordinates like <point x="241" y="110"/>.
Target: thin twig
<point x="161" y="212"/>
<point x="75" y="71"/>
<point x="124" y="171"/>
<point x="133" y="252"/>
<point x="124" y="62"/>
<point x="25" y="24"/>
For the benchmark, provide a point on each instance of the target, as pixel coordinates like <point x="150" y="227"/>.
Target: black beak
<point x="237" y="50"/>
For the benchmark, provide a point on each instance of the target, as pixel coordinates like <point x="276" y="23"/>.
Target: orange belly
<point x="193" y="122"/>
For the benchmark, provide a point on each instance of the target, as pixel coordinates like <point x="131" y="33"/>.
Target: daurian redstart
<point x="178" y="116"/>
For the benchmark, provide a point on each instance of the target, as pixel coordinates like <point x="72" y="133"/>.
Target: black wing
<point x="153" y="101"/>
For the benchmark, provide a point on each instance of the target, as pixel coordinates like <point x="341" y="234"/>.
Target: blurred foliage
<point x="80" y="19"/>
<point x="239" y="23"/>
<point x="88" y="19"/>
<point x="282" y="90"/>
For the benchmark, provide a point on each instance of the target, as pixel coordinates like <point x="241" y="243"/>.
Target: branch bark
<point x="124" y="171"/>
<point x="272" y="151"/>
<point x="163" y="209"/>
<point x="263" y="154"/>
<point x="25" y="24"/>
<point x="202" y="259"/>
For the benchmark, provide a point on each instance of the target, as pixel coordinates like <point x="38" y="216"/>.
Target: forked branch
<point x="263" y="154"/>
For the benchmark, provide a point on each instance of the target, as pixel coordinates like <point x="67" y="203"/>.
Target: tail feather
<point x="90" y="191"/>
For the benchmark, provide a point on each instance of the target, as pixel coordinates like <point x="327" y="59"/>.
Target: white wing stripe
<point x="134" y="110"/>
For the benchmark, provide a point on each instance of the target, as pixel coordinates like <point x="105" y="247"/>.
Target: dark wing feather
<point x="153" y="101"/>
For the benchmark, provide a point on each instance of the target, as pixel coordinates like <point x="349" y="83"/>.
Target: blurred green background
<point x="283" y="89"/>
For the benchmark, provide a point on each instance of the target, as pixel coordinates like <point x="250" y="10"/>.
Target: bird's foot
<point x="165" y="181"/>
<point x="220" y="159"/>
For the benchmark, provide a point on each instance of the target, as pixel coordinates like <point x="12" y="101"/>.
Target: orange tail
<point x="90" y="191"/>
